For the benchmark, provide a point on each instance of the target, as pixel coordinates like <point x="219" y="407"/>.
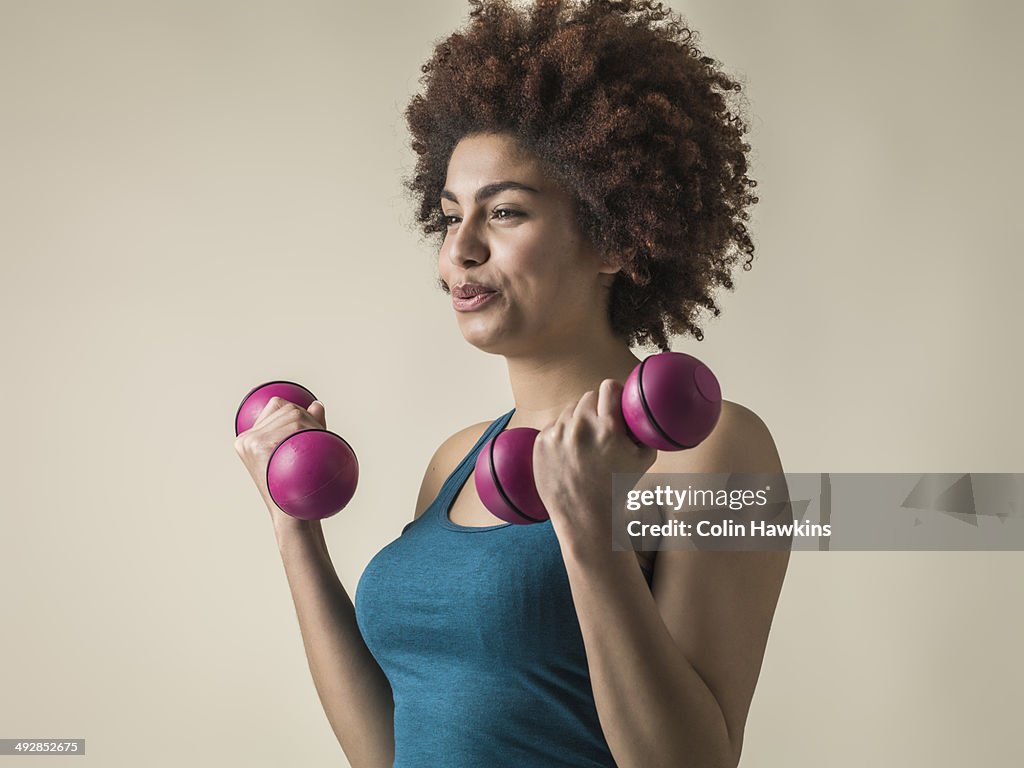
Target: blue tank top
<point x="476" y="631"/>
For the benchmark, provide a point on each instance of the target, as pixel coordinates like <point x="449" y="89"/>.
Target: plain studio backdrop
<point x="197" y="197"/>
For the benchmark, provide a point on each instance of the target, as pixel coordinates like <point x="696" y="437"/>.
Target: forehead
<point x="481" y="159"/>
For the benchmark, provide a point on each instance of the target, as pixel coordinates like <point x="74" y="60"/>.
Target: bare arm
<point x="674" y="672"/>
<point x="354" y="692"/>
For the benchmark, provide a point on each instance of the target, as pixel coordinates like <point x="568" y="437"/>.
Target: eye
<point x="446" y="221"/>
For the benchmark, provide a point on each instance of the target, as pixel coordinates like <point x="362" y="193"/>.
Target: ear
<point x="607" y="272"/>
<point x="608" y="265"/>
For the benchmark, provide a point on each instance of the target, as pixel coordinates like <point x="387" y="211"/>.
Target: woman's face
<point x="546" y="285"/>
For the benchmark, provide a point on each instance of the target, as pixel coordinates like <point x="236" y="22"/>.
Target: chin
<point x="486" y="338"/>
<point x="487" y="344"/>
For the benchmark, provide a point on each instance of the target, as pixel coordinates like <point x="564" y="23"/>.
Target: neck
<point x="545" y="382"/>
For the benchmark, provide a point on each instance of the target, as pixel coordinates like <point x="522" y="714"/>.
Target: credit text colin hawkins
<point x="668" y="498"/>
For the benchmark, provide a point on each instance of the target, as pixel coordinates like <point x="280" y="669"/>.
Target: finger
<point x="273" y="405"/>
<point x="609" y="403"/>
<point x="554" y="430"/>
<point x="587" y="405"/>
<point x="565" y="417"/>
<point x="318" y="412"/>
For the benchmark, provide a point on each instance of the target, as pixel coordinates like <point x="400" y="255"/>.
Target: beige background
<point x="196" y="197"/>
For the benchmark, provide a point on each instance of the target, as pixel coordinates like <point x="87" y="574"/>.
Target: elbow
<point x="726" y="751"/>
<point x="735" y="749"/>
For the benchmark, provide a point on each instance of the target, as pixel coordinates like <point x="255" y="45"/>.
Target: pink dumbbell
<point x="312" y="474"/>
<point x="671" y="401"/>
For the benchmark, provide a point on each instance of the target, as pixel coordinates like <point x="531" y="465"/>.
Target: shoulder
<point x="740" y="442"/>
<point x="441" y="464"/>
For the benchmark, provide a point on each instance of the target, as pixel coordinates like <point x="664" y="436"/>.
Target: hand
<point x="278" y="420"/>
<point x="573" y="463"/>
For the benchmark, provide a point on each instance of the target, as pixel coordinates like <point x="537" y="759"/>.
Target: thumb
<point x="316" y="409"/>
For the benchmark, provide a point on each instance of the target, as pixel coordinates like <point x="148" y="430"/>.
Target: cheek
<point x="552" y="275"/>
<point x="538" y="283"/>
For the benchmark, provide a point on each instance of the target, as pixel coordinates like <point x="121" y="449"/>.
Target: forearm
<point x="654" y="708"/>
<point x="353" y="690"/>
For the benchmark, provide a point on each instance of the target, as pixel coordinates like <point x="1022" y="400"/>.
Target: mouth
<point x="469" y="296"/>
<point x="471" y="302"/>
<point x="468" y="290"/>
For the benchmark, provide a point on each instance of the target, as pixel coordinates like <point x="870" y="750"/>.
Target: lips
<point x="469" y="290"/>
<point x="470" y="298"/>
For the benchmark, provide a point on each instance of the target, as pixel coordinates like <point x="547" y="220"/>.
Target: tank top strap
<point x="458" y="475"/>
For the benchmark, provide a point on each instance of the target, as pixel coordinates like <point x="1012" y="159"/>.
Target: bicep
<point x="719" y="605"/>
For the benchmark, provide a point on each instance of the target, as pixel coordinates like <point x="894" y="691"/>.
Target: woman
<point x="587" y="185"/>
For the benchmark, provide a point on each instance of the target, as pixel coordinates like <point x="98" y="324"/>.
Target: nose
<point x="465" y="247"/>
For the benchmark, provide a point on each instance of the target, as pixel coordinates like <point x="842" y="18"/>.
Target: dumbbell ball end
<point x="312" y="474"/>
<point x="503" y="476"/>
<point x="256" y="399"/>
<point x="671" y="401"/>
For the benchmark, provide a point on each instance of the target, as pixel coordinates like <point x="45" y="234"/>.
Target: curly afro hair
<point x="619" y="107"/>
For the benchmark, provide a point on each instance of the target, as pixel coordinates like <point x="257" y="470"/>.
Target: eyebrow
<point x="489" y="190"/>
